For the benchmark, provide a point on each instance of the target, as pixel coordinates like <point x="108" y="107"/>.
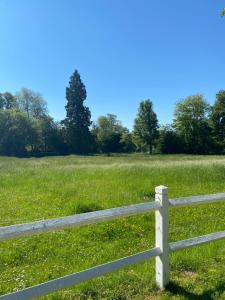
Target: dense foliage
<point x="111" y="136"/>
<point x="26" y="128"/>
<point x="145" y="127"/>
<point x="78" y="116"/>
<point x="192" y="125"/>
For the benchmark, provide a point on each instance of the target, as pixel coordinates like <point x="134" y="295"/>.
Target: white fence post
<point x="161" y="236"/>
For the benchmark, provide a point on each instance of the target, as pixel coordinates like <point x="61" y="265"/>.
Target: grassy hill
<point x="33" y="189"/>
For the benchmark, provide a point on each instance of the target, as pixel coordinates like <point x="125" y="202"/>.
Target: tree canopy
<point x="31" y="103"/>
<point x="191" y="123"/>
<point x="145" y="127"/>
<point x="26" y="128"/>
<point x="8" y="101"/>
<point x="78" y="116"/>
<point x="217" y="119"/>
<point x="111" y="136"/>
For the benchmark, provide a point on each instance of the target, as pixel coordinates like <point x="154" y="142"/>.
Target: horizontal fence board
<point x="197" y="199"/>
<point x="70" y="280"/>
<point x="14" y="231"/>
<point x="197" y="241"/>
<point x="19" y="230"/>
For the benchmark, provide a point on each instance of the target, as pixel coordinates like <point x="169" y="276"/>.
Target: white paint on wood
<point x="202" y="199"/>
<point x="197" y="241"/>
<point x="161" y="251"/>
<point x="161" y="236"/>
<point x="14" y="231"/>
<point x="56" y="284"/>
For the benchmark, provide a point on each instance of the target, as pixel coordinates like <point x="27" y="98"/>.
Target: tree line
<point x="26" y="128"/>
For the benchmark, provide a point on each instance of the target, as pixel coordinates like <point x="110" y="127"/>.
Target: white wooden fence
<point x="160" y="252"/>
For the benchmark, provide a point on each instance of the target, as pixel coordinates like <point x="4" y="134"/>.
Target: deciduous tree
<point x="145" y="127"/>
<point x="8" y="101"/>
<point x="108" y="131"/>
<point x="217" y="121"/>
<point x="16" y="133"/>
<point x="169" y="141"/>
<point x="31" y="103"/>
<point x="192" y="125"/>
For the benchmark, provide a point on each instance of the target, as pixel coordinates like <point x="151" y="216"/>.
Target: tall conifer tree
<point x="78" y="116"/>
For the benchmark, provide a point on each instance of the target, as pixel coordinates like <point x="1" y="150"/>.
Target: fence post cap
<point x="161" y="189"/>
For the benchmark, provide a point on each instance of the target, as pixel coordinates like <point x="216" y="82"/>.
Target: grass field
<point x="33" y="189"/>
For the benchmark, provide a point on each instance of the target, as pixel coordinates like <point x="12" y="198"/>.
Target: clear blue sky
<point x="125" y="51"/>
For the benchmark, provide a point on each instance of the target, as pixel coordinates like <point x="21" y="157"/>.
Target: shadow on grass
<point x="148" y="196"/>
<point x="86" y="207"/>
<point x="210" y="294"/>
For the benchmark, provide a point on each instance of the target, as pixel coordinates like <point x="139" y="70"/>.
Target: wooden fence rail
<point x="160" y="252"/>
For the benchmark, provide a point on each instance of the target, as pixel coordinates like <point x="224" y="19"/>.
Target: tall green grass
<point x="33" y="189"/>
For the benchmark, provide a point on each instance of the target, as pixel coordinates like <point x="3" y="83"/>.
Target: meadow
<point x="39" y="188"/>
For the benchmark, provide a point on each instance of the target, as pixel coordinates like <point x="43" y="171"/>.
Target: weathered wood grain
<point x="161" y="237"/>
<point x="56" y="284"/>
<point x="14" y="231"/>
<point x="161" y="205"/>
<point x="197" y="241"/>
<point x="202" y="199"/>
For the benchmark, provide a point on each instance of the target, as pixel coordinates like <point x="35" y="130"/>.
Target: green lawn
<point x="33" y="189"/>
